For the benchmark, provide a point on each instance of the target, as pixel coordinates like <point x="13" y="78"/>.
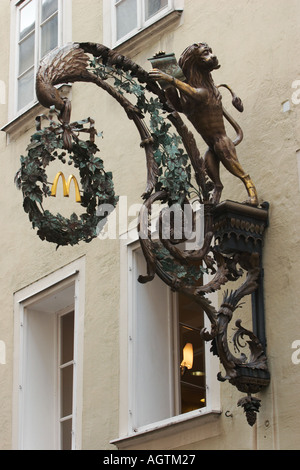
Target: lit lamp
<point x="188" y="357"/>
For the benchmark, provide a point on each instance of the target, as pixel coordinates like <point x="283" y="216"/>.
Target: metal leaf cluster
<point x="174" y="170"/>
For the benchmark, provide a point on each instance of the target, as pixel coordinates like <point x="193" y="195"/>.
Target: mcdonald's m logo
<point x="66" y="186"/>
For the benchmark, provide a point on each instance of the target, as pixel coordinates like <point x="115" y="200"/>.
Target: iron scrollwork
<point x="233" y="232"/>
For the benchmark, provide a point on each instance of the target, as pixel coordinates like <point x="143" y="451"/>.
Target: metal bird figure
<point x="69" y="64"/>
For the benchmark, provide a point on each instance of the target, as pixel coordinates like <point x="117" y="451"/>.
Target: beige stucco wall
<point x="257" y="43"/>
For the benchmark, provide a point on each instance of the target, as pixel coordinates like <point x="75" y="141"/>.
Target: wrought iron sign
<point x="233" y="231"/>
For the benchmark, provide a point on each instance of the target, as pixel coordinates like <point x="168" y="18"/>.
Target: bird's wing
<point x="63" y="64"/>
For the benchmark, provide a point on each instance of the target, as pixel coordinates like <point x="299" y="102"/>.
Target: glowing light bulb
<point x="188" y="356"/>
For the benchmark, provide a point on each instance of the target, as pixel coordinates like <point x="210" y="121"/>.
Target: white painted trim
<point x="182" y="432"/>
<point x="212" y="365"/>
<point x="71" y="273"/>
<point x="107" y="23"/>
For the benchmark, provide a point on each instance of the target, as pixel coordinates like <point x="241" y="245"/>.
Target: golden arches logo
<point x="66" y="186"/>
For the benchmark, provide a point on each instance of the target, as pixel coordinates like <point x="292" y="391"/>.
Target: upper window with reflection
<point x="131" y="16"/>
<point x="38" y="33"/>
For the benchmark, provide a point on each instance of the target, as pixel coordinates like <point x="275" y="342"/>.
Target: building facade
<point x="89" y="357"/>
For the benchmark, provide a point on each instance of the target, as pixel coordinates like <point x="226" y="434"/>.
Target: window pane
<point x="66" y="390"/>
<point x="49" y="35"/>
<point x="27" y="19"/>
<point x="153" y="6"/>
<point x="26" y="53"/>
<point x="126" y="17"/>
<point x="67" y="337"/>
<point x="25" y="89"/>
<point x="152" y="359"/>
<point x="48" y="8"/>
<point x="192" y="384"/>
<point x="193" y="379"/>
<point x="190" y="313"/>
<point x="66" y="435"/>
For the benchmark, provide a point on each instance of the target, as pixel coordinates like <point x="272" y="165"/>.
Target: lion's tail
<point x="237" y="103"/>
<point x="236" y="127"/>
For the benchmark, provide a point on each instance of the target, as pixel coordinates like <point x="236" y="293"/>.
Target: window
<point x="48" y="364"/>
<point x="166" y="382"/>
<point x="65" y="374"/>
<point x="38" y="26"/>
<point x="132" y="16"/>
<point x="190" y="318"/>
<point x="38" y="34"/>
<point x="159" y="385"/>
<point x="47" y="384"/>
<point x="151" y="346"/>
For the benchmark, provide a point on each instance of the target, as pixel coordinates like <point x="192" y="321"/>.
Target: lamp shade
<point x="188" y="356"/>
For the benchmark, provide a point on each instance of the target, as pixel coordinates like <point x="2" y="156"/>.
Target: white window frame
<point x="127" y="430"/>
<point x="65" y="35"/>
<point x="110" y="28"/>
<point x="72" y="274"/>
<point x="60" y="387"/>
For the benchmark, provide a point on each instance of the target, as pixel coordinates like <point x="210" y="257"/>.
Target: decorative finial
<point x="159" y="54"/>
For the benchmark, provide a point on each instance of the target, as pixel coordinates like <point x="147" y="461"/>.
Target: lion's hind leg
<point x="253" y="199"/>
<point x="212" y="166"/>
<point x="226" y="152"/>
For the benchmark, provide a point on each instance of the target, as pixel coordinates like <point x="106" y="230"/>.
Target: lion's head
<point x="198" y="57"/>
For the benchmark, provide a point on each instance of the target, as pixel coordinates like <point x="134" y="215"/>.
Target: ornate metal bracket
<point x="239" y="231"/>
<point x="233" y="232"/>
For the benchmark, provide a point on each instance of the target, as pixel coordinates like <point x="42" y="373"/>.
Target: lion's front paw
<point x="158" y="75"/>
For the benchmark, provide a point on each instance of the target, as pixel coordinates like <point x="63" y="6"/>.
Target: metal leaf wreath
<point x="47" y="145"/>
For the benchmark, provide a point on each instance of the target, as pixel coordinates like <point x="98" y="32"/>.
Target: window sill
<point x="140" y="40"/>
<point x="176" y="432"/>
<point x="25" y="121"/>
